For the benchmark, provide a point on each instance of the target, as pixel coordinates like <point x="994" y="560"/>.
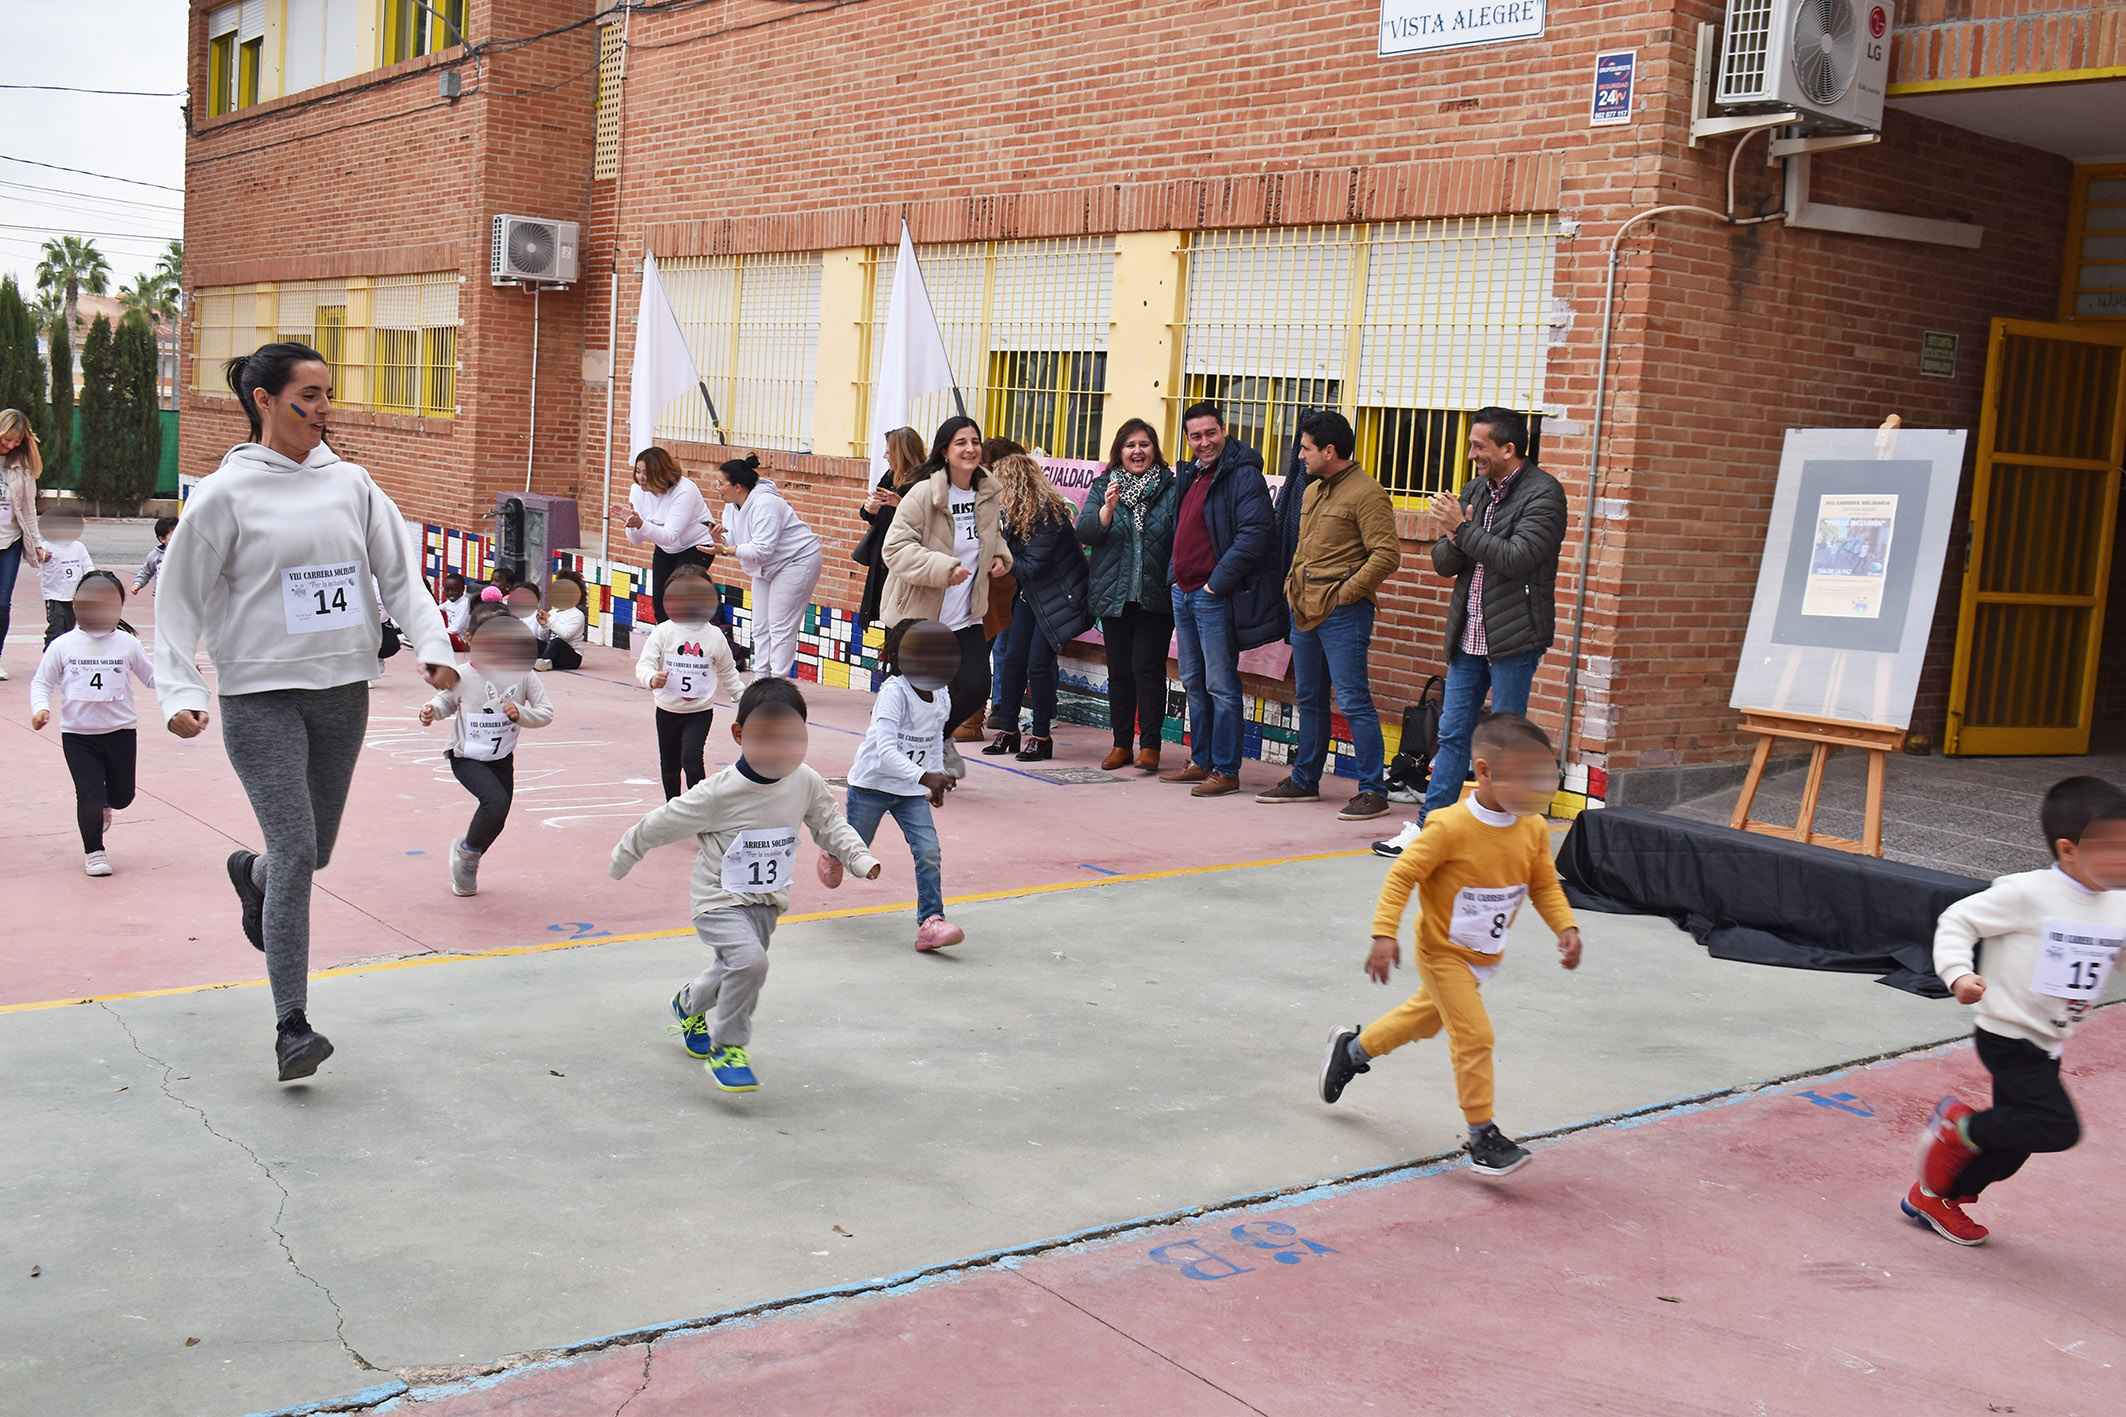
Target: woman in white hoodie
<point x="779" y="552"/>
<point x="272" y="567"/>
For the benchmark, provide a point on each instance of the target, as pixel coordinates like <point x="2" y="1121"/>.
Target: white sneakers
<point x="97" y="863"/>
<point x="464" y="870"/>
<point x="3" y="671"/>
<point x="1394" y="845"/>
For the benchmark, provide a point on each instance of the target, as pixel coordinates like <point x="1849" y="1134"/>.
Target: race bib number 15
<point x="2074" y="958"/>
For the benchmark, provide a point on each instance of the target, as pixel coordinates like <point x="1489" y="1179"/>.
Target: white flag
<point x="664" y="366"/>
<point x="914" y="361"/>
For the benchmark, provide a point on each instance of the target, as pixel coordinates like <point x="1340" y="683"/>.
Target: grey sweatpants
<point x="729" y="988"/>
<point x="294" y="751"/>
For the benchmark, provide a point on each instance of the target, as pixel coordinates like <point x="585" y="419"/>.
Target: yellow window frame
<point x="221" y="74"/>
<point x="2081" y="233"/>
<point x="1048" y="399"/>
<point x="250" y="63"/>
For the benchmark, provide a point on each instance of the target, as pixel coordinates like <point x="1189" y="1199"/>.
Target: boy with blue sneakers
<point x="746" y="819"/>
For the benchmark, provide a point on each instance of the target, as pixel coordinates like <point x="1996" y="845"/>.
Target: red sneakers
<point x="1945" y="1216"/>
<point x="1943" y="1152"/>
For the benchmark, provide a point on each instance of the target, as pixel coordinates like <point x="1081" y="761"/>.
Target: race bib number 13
<point x="318" y="598"/>
<point x="1483" y="915"/>
<point x="758" y="860"/>
<point x="2074" y="958"/>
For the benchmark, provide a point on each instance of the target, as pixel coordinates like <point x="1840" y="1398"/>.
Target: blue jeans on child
<point x="1335" y="652"/>
<point x="867" y="807"/>
<point x="1468" y="677"/>
<point x="1210" y="672"/>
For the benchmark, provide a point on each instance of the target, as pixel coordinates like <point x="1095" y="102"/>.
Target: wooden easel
<point x="1825" y="735"/>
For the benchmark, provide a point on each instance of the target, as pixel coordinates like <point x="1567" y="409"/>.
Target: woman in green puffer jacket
<point x="1128" y="524"/>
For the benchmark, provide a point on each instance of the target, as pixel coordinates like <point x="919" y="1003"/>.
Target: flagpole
<point x="714" y="422"/>
<point x="612" y="314"/>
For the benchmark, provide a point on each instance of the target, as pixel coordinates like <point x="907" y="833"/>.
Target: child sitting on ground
<point x="457" y="610"/>
<point x="163" y="527"/>
<point x="93" y="666"/>
<point x="899" y="768"/>
<point x="1472" y="866"/>
<point x="66" y="561"/>
<point x="561" y="628"/>
<point x="496" y="695"/>
<point x="2047" y="940"/>
<point x="745" y="819"/>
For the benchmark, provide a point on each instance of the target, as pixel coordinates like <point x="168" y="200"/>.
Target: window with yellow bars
<point x="416" y="27"/>
<point x="605" y="149"/>
<point x="1025" y="324"/>
<point x="752" y="324"/>
<point x="391" y="341"/>
<point x="2094" y="283"/>
<point x="236" y="52"/>
<point x="1405" y="327"/>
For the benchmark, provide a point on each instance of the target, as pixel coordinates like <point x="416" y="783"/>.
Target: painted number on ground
<point x="576" y="930"/>
<point x="1258" y="1239"/>
<point x="1840" y="1101"/>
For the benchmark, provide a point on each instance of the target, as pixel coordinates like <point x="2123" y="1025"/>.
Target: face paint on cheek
<point x="298" y="410"/>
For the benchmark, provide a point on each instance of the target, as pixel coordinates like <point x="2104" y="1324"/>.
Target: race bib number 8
<point x="1483" y="915"/>
<point x="758" y="860"/>
<point x="2074" y="958"/>
<point x="319" y="598"/>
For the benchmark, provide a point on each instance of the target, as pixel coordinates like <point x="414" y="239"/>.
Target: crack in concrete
<point x="648" y="1351"/>
<point x="339" y="1317"/>
<point x="1129" y="1337"/>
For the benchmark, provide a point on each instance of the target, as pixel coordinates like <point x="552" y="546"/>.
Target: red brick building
<point x="1125" y="204"/>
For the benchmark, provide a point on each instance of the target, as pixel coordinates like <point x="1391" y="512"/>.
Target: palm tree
<point x="72" y="264"/>
<point x="46" y="309"/>
<point x="153" y="295"/>
<point x="170" y="265"/>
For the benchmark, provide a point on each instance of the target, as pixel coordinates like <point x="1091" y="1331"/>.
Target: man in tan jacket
<point x="1347" y="547"/>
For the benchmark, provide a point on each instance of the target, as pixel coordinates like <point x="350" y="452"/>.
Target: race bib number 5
<point x="1483" y="915"/>
<point x="689" y="675"/>
<point x="318" y="598"/>
<point x="758" y="860"/>
<point x="2074" y="958"/>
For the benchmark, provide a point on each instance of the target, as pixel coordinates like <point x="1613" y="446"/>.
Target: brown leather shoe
<point x="1187" y="772"/>
<point x="970" y="732"/>
<point x="1148" y="760"/>
<point x="1364" y="807"/>
<point x="1215" y="786"/>
<point x="1116" y="757"/>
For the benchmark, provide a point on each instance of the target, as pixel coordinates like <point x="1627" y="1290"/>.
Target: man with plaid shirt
<point x="1500" y="541"/>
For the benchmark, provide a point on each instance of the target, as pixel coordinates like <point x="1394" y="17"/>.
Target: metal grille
<point x="2096" y="254"/>
<point x="413" y="344"/>
<point x="1406" y="328"/>
<point x="1745" y="52"/>
<point x="605" y="154"/>
<point x="1025" y="324"/>
<point x="402" y="360"/>
<point x="752" y="323"/>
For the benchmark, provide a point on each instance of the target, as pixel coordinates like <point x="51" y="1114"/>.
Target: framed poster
<point x="1851" y="570"/>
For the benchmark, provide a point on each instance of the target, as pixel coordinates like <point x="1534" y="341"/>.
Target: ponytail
<point x="270" y="367"/>
<point x="743" y="472"/>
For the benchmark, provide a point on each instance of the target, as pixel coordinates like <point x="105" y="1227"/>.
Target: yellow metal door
<point x="2050" y="440"/>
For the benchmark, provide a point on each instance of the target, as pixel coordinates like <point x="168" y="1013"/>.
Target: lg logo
<point x="1878" y="21"/>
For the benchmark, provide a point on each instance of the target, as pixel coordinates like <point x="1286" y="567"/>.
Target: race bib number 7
<point x="758" y="860"/>
<point x="2074" y="958"/>
<point x="1483" y="915"/>
<point x="319" y="598"/>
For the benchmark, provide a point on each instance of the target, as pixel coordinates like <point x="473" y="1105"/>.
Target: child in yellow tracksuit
<point x="1472" y="866"/>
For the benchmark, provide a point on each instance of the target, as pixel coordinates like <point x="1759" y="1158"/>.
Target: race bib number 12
<point x="319" y="598"/>
<point x="2074" y="958"/>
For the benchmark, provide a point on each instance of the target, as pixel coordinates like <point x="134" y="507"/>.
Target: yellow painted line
<point x="2006" y="81"/>
<point x="549" y="946"/>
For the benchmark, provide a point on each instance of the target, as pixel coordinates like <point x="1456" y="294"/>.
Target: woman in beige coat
<point x="21" y="464"/>
<point x="944" y="548"/>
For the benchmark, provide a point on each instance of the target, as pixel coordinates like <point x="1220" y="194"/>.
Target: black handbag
<point x="1411" y="768"/>
<point x="865" y="552"/>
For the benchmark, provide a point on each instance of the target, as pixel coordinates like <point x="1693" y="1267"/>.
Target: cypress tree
<point x="21" y="366"/>
<point x="59" y="451"/>
<point x="137" y="413"/>
<point x="99" y="426"/>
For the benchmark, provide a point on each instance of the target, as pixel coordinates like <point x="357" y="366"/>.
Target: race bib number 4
<point x="489" y="735"/>
<point x="94" y="679"/>
<point x="319" y="598"/>
<point x="758" y="860"/>
<point x="2074" y="958"/>
<point x="1483" y="915"/>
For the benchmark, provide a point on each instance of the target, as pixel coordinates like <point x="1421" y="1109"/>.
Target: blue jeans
<point x="1210" y="672"/>
<point x="1468" y="676"/>
<point x="10" y="563"/>
<point x="918" y="829"/>
<point x="1000" y="647"/>
<point x="1334" y="652"/>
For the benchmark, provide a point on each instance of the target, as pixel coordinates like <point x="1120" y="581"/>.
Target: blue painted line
<point x="1088" y="866"/>
<point x="367" y="1397"/>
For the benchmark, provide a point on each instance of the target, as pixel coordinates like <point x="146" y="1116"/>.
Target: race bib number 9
<point x="758" y="860"/>
<point x="489" y="735"/>
<point x="1483" y="915"/>
<point x="319" y="598"/>
<point x="94" y="679"/>
<point x="2074" y="958"/>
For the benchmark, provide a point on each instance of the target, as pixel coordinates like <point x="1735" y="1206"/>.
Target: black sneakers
<point x="253" y="898"/>
<point x="1491" y="1154"/>
<point x="1337" y="1069"/>
<point x="299" y="1048"/>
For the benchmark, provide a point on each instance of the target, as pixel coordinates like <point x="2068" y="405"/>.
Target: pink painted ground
<point x="1741" y="1259"/>
<point x="167" y="918"/>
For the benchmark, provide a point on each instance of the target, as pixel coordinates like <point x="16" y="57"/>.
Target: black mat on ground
<point x="1763" y="900"/>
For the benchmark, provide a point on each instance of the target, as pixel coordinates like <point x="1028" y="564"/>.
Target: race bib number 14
<point x="319" y="598"/>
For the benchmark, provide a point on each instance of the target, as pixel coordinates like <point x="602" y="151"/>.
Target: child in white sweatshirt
<point x="900" y="766"/>
<point x="93" y="667"/>
<point x="66" y="561"/>
<point x="746" y="821"/>
<point x="456" y="606"/>
<point x="2047" y="940"/>
<point x="686" y="660"/>
<point x="493" y="698"/>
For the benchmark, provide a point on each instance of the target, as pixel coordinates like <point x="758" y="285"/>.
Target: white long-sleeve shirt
<point x="457" y="615"/>
<point x="567" y="626"/>
<point x="906" y="739"/>
<point x="697" y="663"/>
<point x="766" y="532"/>
<point x="2043" y="942"/>
<point x="272" y="567"/>
<point x="65" y="563"/>
<point x="94" y="676"/>
<point x="748" y="835"/>
<point x="478" y="726"/>
<point x="673" y="520"/>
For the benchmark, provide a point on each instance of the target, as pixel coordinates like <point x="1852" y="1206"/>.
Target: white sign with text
<point x="1414" y="26"/>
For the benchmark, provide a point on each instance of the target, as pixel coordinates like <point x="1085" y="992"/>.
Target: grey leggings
<point x="294" y="752"/>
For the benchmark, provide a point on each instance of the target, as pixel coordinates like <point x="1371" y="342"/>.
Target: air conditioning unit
<point x="1826" y="59"/>
<point x="531" y="250"/>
